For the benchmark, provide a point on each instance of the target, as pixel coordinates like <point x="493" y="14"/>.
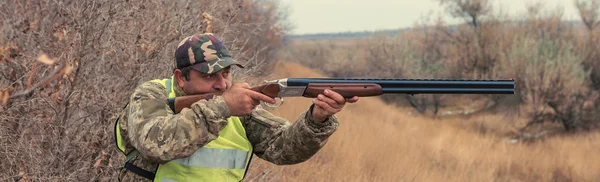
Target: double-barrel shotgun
<point x="347" y="87"/>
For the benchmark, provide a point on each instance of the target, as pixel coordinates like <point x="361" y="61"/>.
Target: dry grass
<point x="379" y="142"/>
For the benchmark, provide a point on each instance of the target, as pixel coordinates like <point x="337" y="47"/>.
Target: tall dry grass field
<point x="379" y="142"/>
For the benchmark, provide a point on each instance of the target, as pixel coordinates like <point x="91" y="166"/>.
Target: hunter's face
<point x="201" y="83"/>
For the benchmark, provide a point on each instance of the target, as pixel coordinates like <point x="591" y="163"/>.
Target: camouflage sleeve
<point x="161" y="135"/>
<point x="276" y="140"/>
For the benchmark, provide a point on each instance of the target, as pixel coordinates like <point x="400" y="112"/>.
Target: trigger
<point x="278" y="102"/>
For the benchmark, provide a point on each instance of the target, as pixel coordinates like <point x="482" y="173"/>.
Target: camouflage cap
<point x="204" y="53"/>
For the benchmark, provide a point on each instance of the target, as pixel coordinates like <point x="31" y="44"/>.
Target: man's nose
<point x="220" y="83"/>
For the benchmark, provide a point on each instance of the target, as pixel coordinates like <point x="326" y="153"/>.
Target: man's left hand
<point x="329" y="103"/>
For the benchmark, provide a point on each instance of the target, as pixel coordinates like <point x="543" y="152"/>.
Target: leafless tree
<point x="471" y="11"/>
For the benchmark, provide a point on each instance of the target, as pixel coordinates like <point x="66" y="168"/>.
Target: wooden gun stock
<point x="347" y="90"/>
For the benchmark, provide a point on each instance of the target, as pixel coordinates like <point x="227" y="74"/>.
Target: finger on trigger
<point x="255" y="102"/>
<point x="262" y="97"/>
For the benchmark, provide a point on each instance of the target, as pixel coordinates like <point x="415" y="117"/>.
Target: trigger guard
<point x="277" y="103"/>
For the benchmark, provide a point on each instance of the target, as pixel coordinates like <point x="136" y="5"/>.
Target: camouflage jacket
<point x="150" y="126"/>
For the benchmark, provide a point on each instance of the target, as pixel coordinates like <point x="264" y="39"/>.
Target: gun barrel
<point x="418" y="86"/>
<point x="449" y="90"/>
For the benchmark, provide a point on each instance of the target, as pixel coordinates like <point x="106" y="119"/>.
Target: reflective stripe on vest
<point x="223" y="159"/>
<point x="216" y="158"/>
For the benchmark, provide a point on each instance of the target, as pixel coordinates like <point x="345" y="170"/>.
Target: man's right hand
<point x="241" y="100"/>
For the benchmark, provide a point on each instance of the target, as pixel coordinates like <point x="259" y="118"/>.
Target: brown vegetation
<point x="553" y="62"/>
<point x="67" y="67"/>
<point x="380" y="142"/>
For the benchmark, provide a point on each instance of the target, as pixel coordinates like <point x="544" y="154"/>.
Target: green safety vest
<point x="223" y="159"/>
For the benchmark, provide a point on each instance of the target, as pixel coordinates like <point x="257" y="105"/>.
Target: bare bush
<point x="474" y="51"/>
<point x="555" y="85"/>
<point x="423" y="54"/>
<point x="472" y="11"/>
<point x="415" y="55"/>
<point x="547" y="58"/>
<point x="58" y="111"/>
<point x="589" y="12"/>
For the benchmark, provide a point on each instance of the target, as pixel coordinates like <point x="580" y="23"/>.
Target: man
<point x="198" y="126"/>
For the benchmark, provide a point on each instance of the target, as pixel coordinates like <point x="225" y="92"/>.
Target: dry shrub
<point x="474" y="51"/>
<point x="555" y="84"/>
<point x="548" y="58"/>
<point x="380" y="142"/>
<point x="471" y="11"/>
<point x="58" y="111"/>
<point x="423" y="58"/>
<point x="418" y="54"/>
<point x="589" y="11"/>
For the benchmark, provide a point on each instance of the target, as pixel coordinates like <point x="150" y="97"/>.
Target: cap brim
<point x="216" y="65"/>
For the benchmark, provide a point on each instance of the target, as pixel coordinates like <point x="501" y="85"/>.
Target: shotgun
<point x="347" y="87"/>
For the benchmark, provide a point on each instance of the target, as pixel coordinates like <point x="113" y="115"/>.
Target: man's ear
<point x="179" y="78"/>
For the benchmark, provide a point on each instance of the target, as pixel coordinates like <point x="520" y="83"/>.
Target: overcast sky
<point x="325" y="16"/>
